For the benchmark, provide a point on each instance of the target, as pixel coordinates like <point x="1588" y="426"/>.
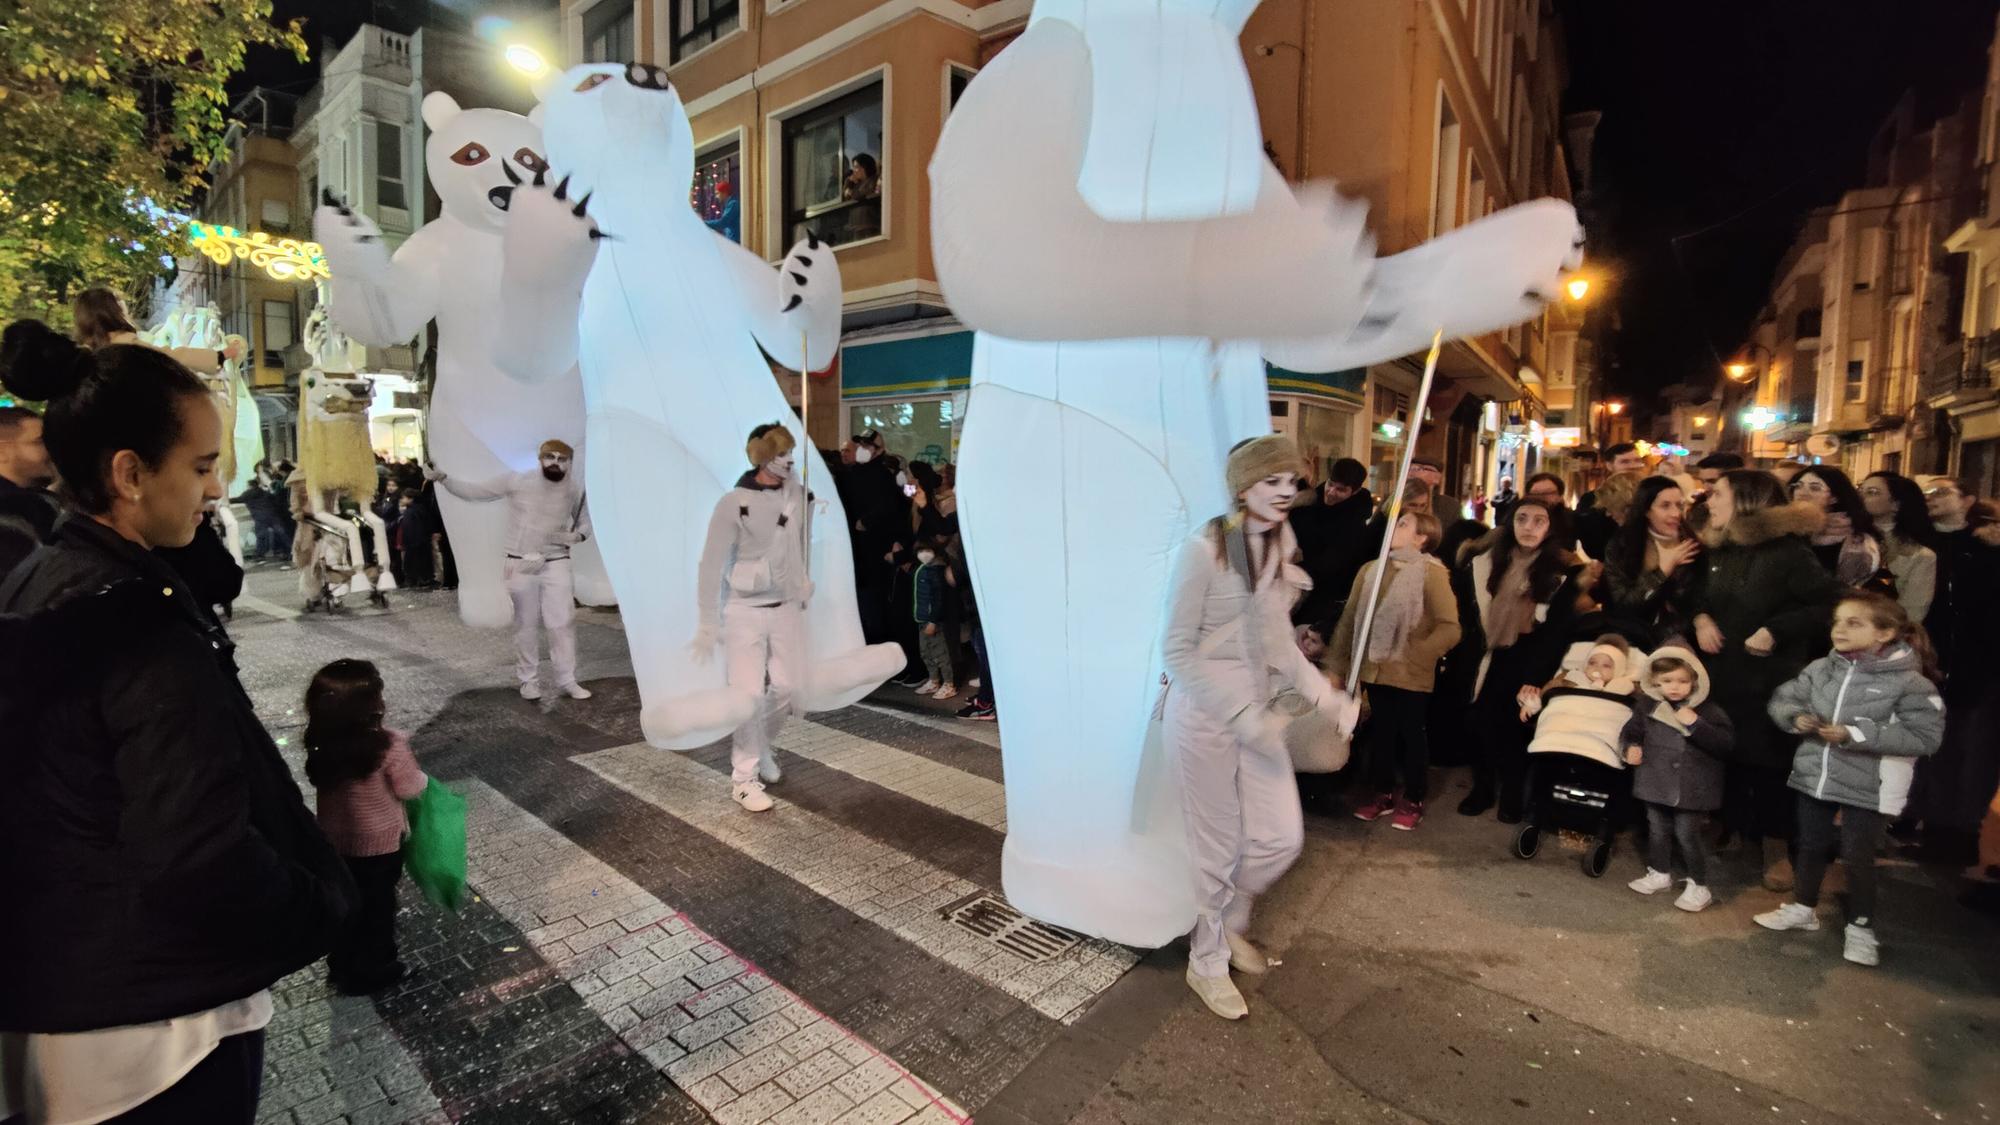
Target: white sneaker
<point x="1220" y="994"/>
<point x="750" y="794"/>
<point x="576" y="691"/>
<point x="769" y="773"/>
<point x="1652" y="882"/>
<point x="1245" y="957"/>
<point x="531" y="690"/>
<point x="974" y="683"/>
<point x="1695" y="899"/>
<point x="946" y="692"/>
<point x="928" y="687"/>
<point x="1790" y="916"/>
<point x="1862" y="949"/>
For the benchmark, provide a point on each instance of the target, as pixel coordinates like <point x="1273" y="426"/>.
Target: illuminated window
<point x="718" y="189"/>
<point x="833" y="169"/>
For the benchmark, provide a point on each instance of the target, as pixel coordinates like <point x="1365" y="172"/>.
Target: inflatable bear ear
<point x="439" y="109"/>
<point x="535" y="116"/>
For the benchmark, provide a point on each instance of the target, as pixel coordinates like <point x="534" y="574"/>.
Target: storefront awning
<point x="1348" y="385"/>
<point x="915" y="365"/>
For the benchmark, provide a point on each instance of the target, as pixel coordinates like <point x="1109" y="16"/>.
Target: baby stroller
<point x="1578" y="781"/>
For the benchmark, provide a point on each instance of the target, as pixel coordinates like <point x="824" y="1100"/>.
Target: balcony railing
<point x="1967" y="365"/>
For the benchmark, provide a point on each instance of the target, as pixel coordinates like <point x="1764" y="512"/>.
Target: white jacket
<point x="1214" y="627"/>
<point x="753" y="551"/>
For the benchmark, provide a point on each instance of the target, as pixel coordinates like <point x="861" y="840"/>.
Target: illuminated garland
<point x="284" y="259"/>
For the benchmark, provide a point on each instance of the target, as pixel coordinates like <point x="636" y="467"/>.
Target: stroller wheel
<point x="1527" y="841"/>
<point x="1597" y="860"/>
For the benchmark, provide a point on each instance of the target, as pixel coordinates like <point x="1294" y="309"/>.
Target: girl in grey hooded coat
<point x="1869" y="710"/>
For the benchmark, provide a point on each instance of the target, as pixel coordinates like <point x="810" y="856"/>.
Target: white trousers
<point x="1244" y="826"/>
<point x="764" y="649"/>
<point x="545" y="598"/>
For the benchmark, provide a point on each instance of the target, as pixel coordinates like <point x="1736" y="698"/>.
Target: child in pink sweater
<point x="363" y="773"/>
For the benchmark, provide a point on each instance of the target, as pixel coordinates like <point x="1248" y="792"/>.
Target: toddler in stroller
<point x="1577" y="778"/>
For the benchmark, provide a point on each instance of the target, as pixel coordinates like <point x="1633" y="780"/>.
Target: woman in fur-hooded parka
<point x="1759" y="572"/>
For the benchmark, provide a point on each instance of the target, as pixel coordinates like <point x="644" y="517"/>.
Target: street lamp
<point x="1738" y="371"/>
<point x="526" y="59"/>
<point x="1577" y="288"/>
<point x="1701" y="420"/>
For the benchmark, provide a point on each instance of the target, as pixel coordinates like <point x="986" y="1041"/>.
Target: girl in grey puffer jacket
<point x="1868" y="710"/>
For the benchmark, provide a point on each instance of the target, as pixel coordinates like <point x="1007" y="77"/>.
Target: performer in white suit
<point x="752" y="592"/>
<point x="545" y="518"/>
<point x="1230" y="653"/>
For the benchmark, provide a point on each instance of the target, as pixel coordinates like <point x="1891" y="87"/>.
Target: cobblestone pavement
<point x="637" y="947"/>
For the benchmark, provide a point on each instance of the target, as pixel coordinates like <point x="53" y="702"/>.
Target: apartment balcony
<point x="1963" y="373"/>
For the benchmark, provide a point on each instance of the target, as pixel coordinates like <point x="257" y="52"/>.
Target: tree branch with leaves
<point x="105" y="104"/>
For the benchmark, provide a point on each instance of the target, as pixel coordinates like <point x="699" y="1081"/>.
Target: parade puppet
<point x="482" y="423"/>
<point x="1103" y="214"/>
<point x="335" y="485"/>
<point x="199" y="329"/>
<point x="673" y="325"/>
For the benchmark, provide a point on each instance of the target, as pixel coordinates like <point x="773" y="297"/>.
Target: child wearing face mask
<point x="1867" y="710"/>
<point x="929" y="608"/>
<point x="1676" y="740"/>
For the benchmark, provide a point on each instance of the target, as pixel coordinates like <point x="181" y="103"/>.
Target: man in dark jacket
<point x="1953" y="787"/>
<point x="1332" y="541"/>
<point x="160" y="857"/>
<point x="27" y="508"/>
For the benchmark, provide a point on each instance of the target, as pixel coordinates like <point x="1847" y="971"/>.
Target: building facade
<point x="1958" y="385"/>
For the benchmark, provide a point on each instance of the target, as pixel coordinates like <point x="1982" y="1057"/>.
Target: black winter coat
<point x="26" y="517"/>
<point x="1760" y="573"/>
<point x="1964" y="615"/>
<point x="160" y="860"/>
<point x="1333" y="546"/>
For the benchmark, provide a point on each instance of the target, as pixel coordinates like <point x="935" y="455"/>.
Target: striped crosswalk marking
<point x="900" y="893"/>
<point x="987" y="733"/>
<point x="740" y="1044"/>
<point x="914" y="776"/>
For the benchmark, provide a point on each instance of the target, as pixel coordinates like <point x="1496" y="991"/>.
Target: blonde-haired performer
<point x="545" y="518"/>
<point x="752" y="588"/>
<point x="1230" y="655"/>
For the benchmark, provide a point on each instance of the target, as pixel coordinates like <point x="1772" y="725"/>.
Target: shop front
<point x="396" y="416"/>
<point x="911" y="389"/>
<point x="1321" y="411"/>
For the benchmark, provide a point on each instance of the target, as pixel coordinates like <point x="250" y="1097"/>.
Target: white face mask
<point x="1270" y="498"/>
<point x="926" y="556"/>
<point x="779" y="468"/>
<point x="902" y="480"/>
<point x="863" y="454"/>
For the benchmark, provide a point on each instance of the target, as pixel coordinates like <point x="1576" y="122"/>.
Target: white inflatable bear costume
<point x="1104" y="215"/>
<point x="482" y="422"/>
<point x="672" y="319"/>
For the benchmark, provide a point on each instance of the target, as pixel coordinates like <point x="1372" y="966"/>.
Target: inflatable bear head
<point x="464" y="155"/>
<point x="620" y="131"/>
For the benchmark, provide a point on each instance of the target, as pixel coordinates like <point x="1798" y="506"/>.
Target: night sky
<point x="337" y="21"/>
<point x="1746" y="115"/>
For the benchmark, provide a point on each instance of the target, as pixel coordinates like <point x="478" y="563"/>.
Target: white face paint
<point x="1269" y="499"/>
<point x="779" y="467"/>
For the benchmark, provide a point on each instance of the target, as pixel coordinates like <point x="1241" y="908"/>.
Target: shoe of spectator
<point x="928" y="687"/>
<point x="948" y="691"/>
<point x="1652" y="882"/>
<point x="1409" y="814"/>
<point x="974" y="683"/>
<point x="976" y="711"/>
<point x="1861" y="947"/>
<point x="1476" y="802"/>
<point x="750" y="794"/>
<point x="1695" y="899"/>
<point x="1777" y="866"/>
<point x="1791" y="916"/>
<point x="1382" y="805"/>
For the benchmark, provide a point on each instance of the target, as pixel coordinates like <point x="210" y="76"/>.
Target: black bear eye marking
<point x="592" y="82"/>
<point x="470" y="153"/>
<point x="531" y="160"/>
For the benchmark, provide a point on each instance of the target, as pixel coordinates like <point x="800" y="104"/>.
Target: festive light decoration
<point x="1761" y="418"/>
<point x="283" y="259"/>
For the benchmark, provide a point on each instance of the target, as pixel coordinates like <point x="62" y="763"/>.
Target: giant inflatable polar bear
<point x="672" y="317"/>
<point x="482" y="423"/>
<point x="1104" y="215"/>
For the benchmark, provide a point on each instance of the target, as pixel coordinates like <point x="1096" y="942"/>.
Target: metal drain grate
<point x="989" y="916"/>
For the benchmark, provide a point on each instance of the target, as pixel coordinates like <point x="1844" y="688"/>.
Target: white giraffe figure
<point x="1104" y="215"/>
<point x="483" y="421"/>
<point x="676" y="322"/>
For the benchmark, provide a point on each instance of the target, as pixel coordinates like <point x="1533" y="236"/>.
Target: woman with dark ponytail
<point x="162" y="870"/>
